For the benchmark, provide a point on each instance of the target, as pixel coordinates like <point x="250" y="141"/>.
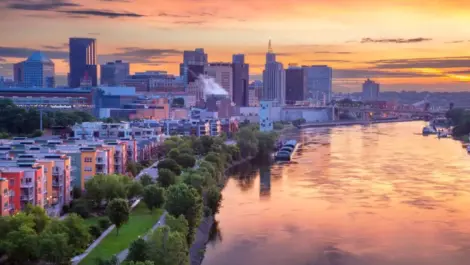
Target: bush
<point x="104" y="223"/>
<point x="76" y="193"/>
<point x="95" y="231"/>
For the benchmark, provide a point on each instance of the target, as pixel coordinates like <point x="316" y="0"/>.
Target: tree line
<point x="17" y="121"/>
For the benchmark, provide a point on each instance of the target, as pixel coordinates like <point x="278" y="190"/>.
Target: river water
<point x="365" y="195"/>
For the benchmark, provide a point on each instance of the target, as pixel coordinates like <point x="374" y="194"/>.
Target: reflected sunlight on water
<point x="375" y="195"/>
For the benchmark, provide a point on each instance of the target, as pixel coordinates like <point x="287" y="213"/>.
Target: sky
<point x="403" y="44"/>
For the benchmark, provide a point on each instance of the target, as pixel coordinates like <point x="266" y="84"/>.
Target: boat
<point x="428" y="130"/>
<point x="287" y="150"/>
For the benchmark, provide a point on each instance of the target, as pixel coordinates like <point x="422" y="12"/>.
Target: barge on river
<point x="287" y="151"/>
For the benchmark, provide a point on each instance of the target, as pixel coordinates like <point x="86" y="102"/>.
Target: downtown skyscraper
<point x="274" y="79"/>
<point x="241" y="79"/>
<point x="82" y="61"/>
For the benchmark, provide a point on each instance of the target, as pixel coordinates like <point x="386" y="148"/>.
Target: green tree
<point x="179" y="224"/>
<point x="118" y="213"/>
<point x="139" y="250"/>
<point x="134" y="168"/>
<point x="147" y="262"/>
<point x="193" y="179"/>
<point x="21" y="246"/>
<point x="134" y="189"/>
<point x="171" y="165"/>
<point x="213" y="199"/>
<point x="174" y="153"/>
<point x="216" y="160"/>
<point x="54" y="248"/>
<point x="111" y="261"/>
<point x="210" y="168"/>
<point x="146" y="180"/>
<point x="185" y="200"/>
<point x="166" y="177"/>
<point x="266" y="143"/>
<point x="154" y="196"/>
<point x="77" y="231"/>
<point x="41" y="219"/>
<point x="168" y="247"/>
<point x="247" y="142"/>
<point x="80" y="207"/>
<point x="76" y="193"/>
<point x="186" y="160"/>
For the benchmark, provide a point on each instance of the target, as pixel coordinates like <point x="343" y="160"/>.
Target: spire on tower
<point x="270" y="48"/>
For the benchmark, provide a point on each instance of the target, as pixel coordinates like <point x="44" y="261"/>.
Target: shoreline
<point x="198" y="247"/>
<point x="349" y="123"/>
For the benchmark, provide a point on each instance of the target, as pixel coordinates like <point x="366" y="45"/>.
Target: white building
<point x="265" y="121"/>
<point x="319" y="83"/>
<point x="223" y="75"/>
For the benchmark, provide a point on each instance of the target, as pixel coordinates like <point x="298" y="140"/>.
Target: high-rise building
<point x="370" y="90"/>
<point x="113" y="73"/>
<point x="274" y="84"/>
<point x="241" y="77"/>
<point x="223" y="75"/>
<point x="36" y="71"/>
<point x="296" y="84"/>
<point x="319" y="82"/>
<point x="193" y="65"/>
<point x="255" y="92"/>
<point x="18" y="73"/>
<point x="82" y="61"/>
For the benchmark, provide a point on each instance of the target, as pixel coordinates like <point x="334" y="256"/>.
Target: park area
<point x="140" y="222"/>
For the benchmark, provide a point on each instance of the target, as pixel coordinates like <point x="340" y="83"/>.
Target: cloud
<point x="328" y="61"/>
<point x="100" y="13"/>
<point x="414" y="40"/>
<point x="58" y="47"/>
<point x="456" y="41"/>
<point x="164" y="14"/>
<point x="122" y="1"/>
<point x="2" y="60"/>
<point x="371" y="73"/>
<point x="94" y="33"/>
<point x="139" y="55"/>
<point x="191" y="22"/>
<point x="15" y="52"/>
<point x="329" y="52"/>
<point x="444" y="62"/>
<point x="40" y="5"/>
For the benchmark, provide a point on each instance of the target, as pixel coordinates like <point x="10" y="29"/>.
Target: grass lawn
<point x="140" y="222"/>
<point x="92" y="220"/>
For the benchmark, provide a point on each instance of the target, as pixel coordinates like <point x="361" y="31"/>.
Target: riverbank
<point x="198" y="248"/>
<point x="348" y="123"/>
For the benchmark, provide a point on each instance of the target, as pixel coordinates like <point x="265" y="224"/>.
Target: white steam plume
<point x="210" y="87"/>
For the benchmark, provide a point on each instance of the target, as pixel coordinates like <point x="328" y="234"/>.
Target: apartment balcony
<point x="27" y="184"/>
<point x="100" y="161"/>
<point x="27" y="197"/>
<point x="56" y="183"/>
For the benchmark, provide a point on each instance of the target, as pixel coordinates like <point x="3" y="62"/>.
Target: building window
<point x="88" y="169"/>
<point x="5" y="192"/>
<point x="45" y="170"/>
<point x="88" y="159"/>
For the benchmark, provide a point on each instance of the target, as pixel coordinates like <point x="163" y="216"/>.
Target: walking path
<point x="123" y="254"/>
<point x="75" y="260"/>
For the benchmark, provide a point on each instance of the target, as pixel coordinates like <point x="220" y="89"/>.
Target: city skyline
<point x="404" y="45"/>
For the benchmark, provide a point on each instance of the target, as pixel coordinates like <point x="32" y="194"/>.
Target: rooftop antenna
<point x="270" y="48"/>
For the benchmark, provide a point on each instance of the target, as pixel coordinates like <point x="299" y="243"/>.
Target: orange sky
<point x="406" y="45"/>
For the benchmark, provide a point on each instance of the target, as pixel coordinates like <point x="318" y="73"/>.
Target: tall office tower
<point x="82" y="53"/>
<point x="274" y="84"/>
<point x="319" y="82"/>
<point x="193" y="65"/>
<point x="370" y="90"/>
<point x="223" y="75"/>
<point x="114" y="73"/>
<point x="36" y="71"/>
<point x="241" y="77"/>
<point x="296" y="84"/>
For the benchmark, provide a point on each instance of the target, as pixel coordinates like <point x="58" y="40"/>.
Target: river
<point x="363" y="195"/>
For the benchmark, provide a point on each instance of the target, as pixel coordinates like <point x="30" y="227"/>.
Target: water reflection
<point x="265" y="182"/>
<point x="375" y="195"/>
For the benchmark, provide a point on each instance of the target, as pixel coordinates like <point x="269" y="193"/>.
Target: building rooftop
<point x="38" y="57"/>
